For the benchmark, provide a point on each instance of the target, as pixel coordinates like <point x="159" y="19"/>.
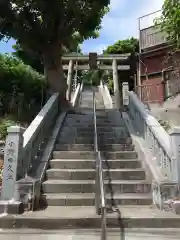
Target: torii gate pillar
<point x="116" y="84"/>
<point x="69" y="79"/>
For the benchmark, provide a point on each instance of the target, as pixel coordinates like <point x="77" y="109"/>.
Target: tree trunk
<point x="54" y="72"/>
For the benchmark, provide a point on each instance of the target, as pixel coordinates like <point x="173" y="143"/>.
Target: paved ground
<point x="169" y="111"/>
<point x="137" y="212"/>
<point x="130" y="234"/>
<point x="172" y="116"/>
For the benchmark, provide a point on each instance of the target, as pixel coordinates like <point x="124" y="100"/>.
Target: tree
<point x="32" y="59"/>
<point x="92" y="77"/>
<point x="130" y="45"/>
<point x="28" y="58"/>
<point x="170" y="21"/>
<point x="21" y="89"/>
<point x="44" y="27"/>
<point x="169" y="24"/>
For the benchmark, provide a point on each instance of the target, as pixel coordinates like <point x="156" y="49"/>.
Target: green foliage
<point x="28" y="58"/>
<point x="170" y="21"/>
<point x="40" y="25"/>
<point x="110" y="86"/>
<point x="87" y="78"/>
<point x="21" y="89"/>
<point x="92" y="77"/>
<point x="32" y="59"/>
<point x="165" y="125"/>
<point x="130" y="45"/>
<point x="96" y="77"/>
<point x="4" y="124"/>
<point x="46" y="27"/>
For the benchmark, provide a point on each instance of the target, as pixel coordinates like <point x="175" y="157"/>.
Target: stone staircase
<point x="68" y="192"/>
<point x="71" y="176"/>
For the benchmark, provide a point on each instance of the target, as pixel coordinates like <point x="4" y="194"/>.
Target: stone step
<point x="73" y="123"/>
<point x="105" y="135"/>
<point x="90" y="147"/>
<point x="100" y="117"/>
<point x="88" y="199"/>
<point x="85" y="174"/>
<point x="89" y="130"/>
<point x="74" y="154"/>
<point x="119" y="155"/>
<point x="90" y="117"/>
<point x="79" y="116"/>
<point x="91" y="234"/>
<point x="88" y="186"/>
<point x="72" y="136"/>
<point x="78" y="217"/>
<point x="71" y="140"/>
<point x="88" y="140"/>
<point x="91" y="124"/>
<point x="84" y="163"/>
<point x="91" y="155"/>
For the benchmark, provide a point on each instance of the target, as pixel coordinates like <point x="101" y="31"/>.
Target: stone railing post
<point x="13" y="148"/>
<point x="69" y="79"/>
<point x="125" y="95"/>
<point x="175" y="165"/>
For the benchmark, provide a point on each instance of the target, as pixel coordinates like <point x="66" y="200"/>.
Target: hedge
<point x="22" y="92"/>
<point x="21" y="89"/>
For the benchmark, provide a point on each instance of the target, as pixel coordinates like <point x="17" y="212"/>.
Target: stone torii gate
<point x="114" y="62"/>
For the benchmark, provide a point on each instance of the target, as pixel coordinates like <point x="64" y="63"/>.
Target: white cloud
<point x="99" y="48"/>
<point x="117" y="4"/>
<point x="115" y="28"/>
<point x="122" y="21"/>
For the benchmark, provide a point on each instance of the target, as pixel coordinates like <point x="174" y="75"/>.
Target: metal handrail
<point x="100" y="200"/>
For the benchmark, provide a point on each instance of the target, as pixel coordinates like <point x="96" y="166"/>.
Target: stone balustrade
<point x="156" y="138"/>
<point x="25" y="147"/>
<point x="163" y="147"/>
<point x="106" y="95"/>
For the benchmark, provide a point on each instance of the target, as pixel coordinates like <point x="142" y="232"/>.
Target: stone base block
<point x="176" y="207"/>
<point x="163" y="193"/>
<point x="173" y="205"/>
<point x="14" y="207"/>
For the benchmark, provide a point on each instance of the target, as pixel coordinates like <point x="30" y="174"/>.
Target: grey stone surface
<point x="74" y="154"/>
<point x="84" y="174"/>
<point x="90" y="147"/>
<point x="79" y="217"/>
<point x="84" y="163"/>
<point x="13" y="207"/>
<point x="133" y="234"/>
<point x="88" y="199"/>
<point x="169" y="111"/>
<point x="70" y="181"/>
<point x="88" y="186"/>
<point x="69" y="189"/>
<point x="90" y="154"/>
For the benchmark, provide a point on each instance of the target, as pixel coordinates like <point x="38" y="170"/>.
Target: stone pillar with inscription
<point x="69" y="79"/>
<point x="14" y="144"/>
<point x="116" y="84"/>
<point x="125" y="90"/>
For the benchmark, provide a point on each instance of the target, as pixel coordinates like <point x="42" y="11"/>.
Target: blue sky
<point x="121" y="22"/>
